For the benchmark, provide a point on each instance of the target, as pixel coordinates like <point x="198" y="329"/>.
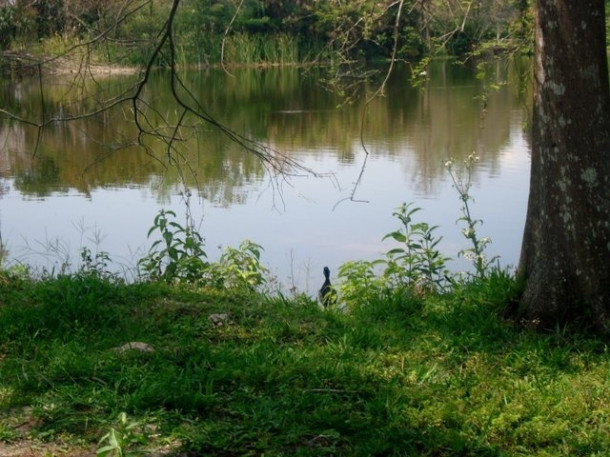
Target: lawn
<point x="236" y="373"/>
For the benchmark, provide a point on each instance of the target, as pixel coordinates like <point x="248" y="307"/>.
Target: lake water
<point x="86" y="184"/>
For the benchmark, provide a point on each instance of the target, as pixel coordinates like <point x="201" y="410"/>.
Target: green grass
<point x="443" y="375"/>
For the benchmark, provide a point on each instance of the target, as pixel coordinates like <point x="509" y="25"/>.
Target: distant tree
<point x="7" y="25"/>
<point x="565" y="258"/>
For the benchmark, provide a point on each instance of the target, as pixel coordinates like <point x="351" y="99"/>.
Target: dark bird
<point x="327" y="294"/>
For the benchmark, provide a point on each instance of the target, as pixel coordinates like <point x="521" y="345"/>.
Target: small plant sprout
<point x="462" y="181"/>
<point x="123" y="439"/>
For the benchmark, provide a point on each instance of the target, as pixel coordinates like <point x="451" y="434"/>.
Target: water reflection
<point x="409" y="133"/>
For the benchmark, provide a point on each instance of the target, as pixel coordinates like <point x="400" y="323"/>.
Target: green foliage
<point x="95" y="264"/>
<point x="241" y="267"/>
<point x="419" y="73"/>
<point x="415" y="264"/>
<point x="178" y="255"/>
<point x="8" y="28"/>
<point x="273" y="31"/>
<point x="359" y="281"/>
<point x="485" y="72"/>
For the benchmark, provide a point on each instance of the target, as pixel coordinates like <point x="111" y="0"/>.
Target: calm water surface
<point x="85" y="184"/>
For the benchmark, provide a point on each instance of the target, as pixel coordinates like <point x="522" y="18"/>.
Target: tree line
<point x="313" y="29"/>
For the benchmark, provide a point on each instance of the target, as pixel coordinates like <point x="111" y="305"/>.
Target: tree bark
<point x="565" y="256"/>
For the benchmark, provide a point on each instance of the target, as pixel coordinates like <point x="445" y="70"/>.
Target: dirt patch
<point x="35" y="448"/>
<point x="31" y="448"/>
<point x="20" y="422"/>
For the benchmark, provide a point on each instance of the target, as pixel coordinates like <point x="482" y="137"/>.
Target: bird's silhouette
<point x="327" y="294"/>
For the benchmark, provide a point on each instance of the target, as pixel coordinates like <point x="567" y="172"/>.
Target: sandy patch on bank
<point x="24" y="64"/>
<point x="64" y="66"/>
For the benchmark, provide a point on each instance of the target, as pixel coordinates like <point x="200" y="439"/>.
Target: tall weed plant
<point x="462" y="181"/>
<point x="248" y="48"/>
<point x="177" y="255"/>
<point x="416" y="262"/>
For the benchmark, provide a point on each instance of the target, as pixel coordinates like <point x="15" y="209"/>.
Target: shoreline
<point x="23" y="64"/>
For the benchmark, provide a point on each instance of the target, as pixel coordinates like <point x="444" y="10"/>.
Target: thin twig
<point x="379" y="91"/>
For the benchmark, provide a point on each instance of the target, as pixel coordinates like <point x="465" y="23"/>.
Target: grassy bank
<point x="239" y="49"/>
<point x="228" y="373"/>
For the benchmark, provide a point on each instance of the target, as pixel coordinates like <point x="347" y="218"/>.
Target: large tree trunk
<point x="565" y="257"/>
